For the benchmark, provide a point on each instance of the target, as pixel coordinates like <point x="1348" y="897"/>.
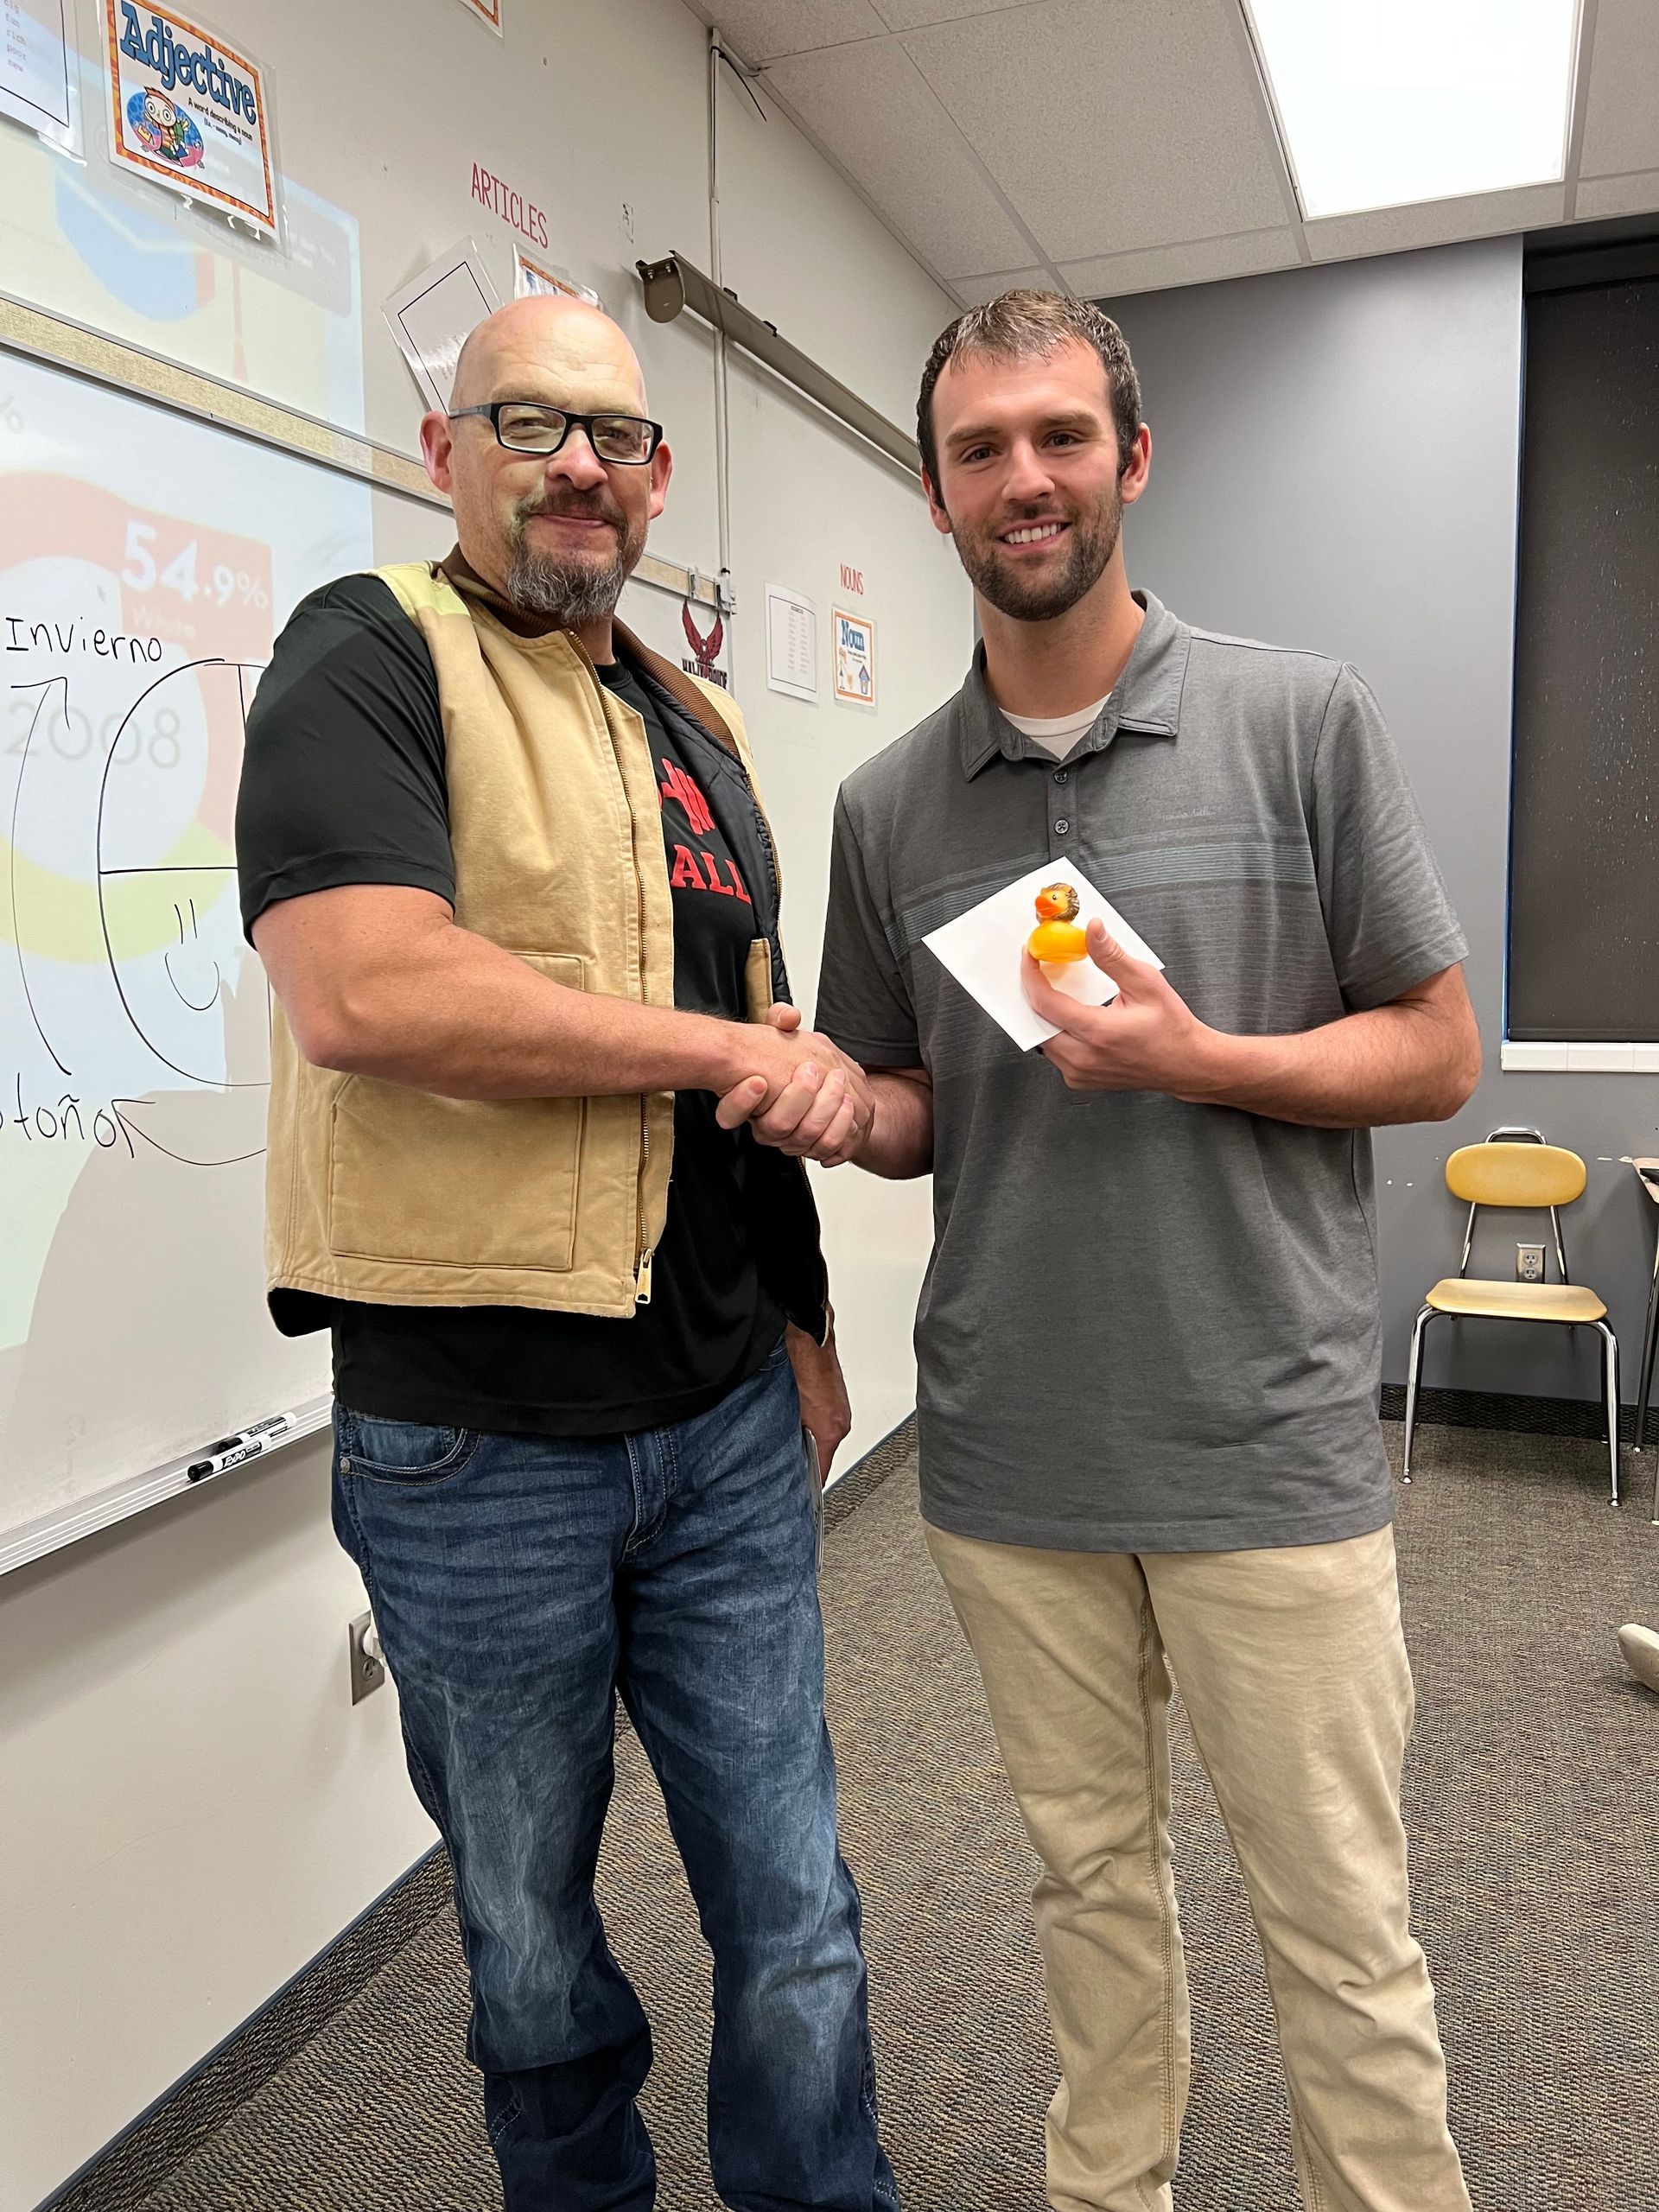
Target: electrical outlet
<point x="368" y="1661"/>
<point x="1528" y="1263"/>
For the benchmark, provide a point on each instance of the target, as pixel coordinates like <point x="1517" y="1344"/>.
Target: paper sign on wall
<point x="792" y="644"/>
<point x="855" y="657"/>
<point x="434" y="315"/>
<point x="488" y="12"/>
<point x="530" y="279"/>
<point x="37" y="85"/>
<point x="190" y="111"/>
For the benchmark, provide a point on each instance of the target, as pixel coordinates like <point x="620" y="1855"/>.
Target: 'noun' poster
<point x="189" y="111"/>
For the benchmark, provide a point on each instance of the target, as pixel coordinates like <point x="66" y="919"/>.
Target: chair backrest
<point x="1511" y="1174"/>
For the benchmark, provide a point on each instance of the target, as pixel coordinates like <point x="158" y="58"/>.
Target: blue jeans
<point x="518" y="1583"/>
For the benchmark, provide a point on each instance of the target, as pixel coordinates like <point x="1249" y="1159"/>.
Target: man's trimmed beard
<point x="1093" y="541"/>
<point x="573" y="592"/>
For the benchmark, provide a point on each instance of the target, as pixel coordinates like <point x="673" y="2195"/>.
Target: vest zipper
<point x="643" y="1258"/>
<point x="642" y="1265"/>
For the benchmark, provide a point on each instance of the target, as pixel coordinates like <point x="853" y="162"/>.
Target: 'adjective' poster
<point x="488" y="12"/>
<point x="189" y="111"/>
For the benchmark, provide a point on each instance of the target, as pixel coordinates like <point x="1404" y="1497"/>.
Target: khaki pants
<point x="1294" y="1676"/>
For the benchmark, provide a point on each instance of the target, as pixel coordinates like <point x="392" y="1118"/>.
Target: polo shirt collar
<point x="1146" y="699"/>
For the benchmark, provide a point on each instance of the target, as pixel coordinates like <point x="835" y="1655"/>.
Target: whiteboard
<point x="146" y="562"/>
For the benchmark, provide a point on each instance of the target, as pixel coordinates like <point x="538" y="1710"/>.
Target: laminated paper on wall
<point x="188" y="112"/>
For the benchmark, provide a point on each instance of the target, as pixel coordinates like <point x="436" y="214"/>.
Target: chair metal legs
<point x="1611" y="1343"/>
<point x="1610" y="1393"/>
<point x="1413" y="1371"/>
<point x="1649" y="1335"/>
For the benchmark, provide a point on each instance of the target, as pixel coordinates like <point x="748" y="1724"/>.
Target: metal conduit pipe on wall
<point x="675" y="284"/>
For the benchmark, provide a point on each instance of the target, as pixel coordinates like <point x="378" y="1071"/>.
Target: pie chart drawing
<point x="188" y="982"/>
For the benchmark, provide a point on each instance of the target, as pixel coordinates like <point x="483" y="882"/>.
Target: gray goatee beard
<point x="575" y="594"/>
<point x="1094" y="541"/>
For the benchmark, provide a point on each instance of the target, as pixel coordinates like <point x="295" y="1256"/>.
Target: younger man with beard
<point x="511" y="885"/>
<point x="1148" y="1338"/>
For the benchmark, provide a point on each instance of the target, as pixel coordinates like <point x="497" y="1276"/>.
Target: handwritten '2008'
<point x="72" y="736"/>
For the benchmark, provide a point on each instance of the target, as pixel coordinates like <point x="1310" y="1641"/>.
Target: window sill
<point x="1580" y="1059"/>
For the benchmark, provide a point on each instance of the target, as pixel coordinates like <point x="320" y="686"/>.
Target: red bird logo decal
<point x="704" y="651"/>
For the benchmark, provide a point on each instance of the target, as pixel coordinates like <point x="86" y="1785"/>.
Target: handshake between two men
<point x="809" y="1099"/>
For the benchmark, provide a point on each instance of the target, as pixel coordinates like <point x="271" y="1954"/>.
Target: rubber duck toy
<point x="1057" y="940"/>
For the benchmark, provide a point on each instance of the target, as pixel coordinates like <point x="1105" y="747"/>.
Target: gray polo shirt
<point x="1146" y="1325"/>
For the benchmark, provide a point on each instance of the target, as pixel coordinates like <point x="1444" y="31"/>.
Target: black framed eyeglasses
<point x="526" y="426"/>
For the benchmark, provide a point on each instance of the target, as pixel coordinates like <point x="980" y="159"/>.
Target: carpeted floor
<point x="1535" y="1819"/>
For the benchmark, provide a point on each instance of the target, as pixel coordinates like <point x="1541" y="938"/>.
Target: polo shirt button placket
<point x="1062" y="825"/>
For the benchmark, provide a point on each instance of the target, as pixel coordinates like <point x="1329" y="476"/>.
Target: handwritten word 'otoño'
<point x="22" y="637"/>
<point x="63" y="1122"/>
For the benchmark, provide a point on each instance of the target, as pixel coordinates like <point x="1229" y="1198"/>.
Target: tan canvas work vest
<point x="393" y="1196"/>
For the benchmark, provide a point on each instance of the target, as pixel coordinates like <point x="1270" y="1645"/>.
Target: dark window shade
<point x="1584" y="878"/>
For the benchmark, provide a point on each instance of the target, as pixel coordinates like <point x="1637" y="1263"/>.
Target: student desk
<point x="1647" y="1174"/>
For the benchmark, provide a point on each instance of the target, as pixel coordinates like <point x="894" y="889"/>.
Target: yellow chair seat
<point x="1517" y="1301"/>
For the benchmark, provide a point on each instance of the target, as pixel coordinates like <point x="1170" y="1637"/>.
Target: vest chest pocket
<point x="425" y="1181"/>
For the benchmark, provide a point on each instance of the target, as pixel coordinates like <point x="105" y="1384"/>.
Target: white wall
<point x="190" y="1807"/>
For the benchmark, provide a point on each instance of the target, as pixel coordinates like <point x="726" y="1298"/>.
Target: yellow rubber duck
<point x="1057" y="940"/>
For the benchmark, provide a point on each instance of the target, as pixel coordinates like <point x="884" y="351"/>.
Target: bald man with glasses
<point x="517" y="899"/>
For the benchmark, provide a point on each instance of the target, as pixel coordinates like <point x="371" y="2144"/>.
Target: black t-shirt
<point x="344" y="782"/>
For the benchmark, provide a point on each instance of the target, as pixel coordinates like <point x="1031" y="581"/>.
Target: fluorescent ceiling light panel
<point x="1384" y="103"/>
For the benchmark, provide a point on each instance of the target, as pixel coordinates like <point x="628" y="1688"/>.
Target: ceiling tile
<point x="1437" y="222"/>
<point x="974" y="292"/>
<point x="761" y="30"/>
<point x="1621" y="117"/>
<point x="1618" y="195"/>
<point x="916" y="15"/>
<point x="1206" y="261"/>
<point x="1112" y="127"/>
<point x="870" y="109"/>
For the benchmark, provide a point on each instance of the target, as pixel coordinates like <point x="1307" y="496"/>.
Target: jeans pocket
<point x="410" y="1452"/>
<point x="501" y="2115"/>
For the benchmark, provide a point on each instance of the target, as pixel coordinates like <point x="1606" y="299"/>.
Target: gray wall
<point x="1335" y="462"/>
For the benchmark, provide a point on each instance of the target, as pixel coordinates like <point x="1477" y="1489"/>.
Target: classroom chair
<point x="1515" y="1168"/>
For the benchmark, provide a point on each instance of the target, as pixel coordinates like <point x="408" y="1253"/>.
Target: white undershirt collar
<point x="1056" y="734"/>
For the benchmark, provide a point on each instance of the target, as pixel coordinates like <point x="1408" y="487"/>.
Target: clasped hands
<point x="809" y="1100"/>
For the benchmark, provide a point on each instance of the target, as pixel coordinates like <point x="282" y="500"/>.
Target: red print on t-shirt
<point x="687" y="876"/>
<point x="678" y="786"/>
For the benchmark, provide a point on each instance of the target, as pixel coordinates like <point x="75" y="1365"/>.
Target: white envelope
<point x="982" y="949"/>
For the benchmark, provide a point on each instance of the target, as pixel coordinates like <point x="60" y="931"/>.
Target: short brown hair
<point x="1024" y="326"/>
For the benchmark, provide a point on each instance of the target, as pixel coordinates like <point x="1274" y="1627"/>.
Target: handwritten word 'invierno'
<point x="60" y="638"/>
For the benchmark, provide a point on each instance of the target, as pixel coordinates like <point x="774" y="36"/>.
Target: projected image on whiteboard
<point x="120" y="872"/>
<point x="144" y="563"/>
